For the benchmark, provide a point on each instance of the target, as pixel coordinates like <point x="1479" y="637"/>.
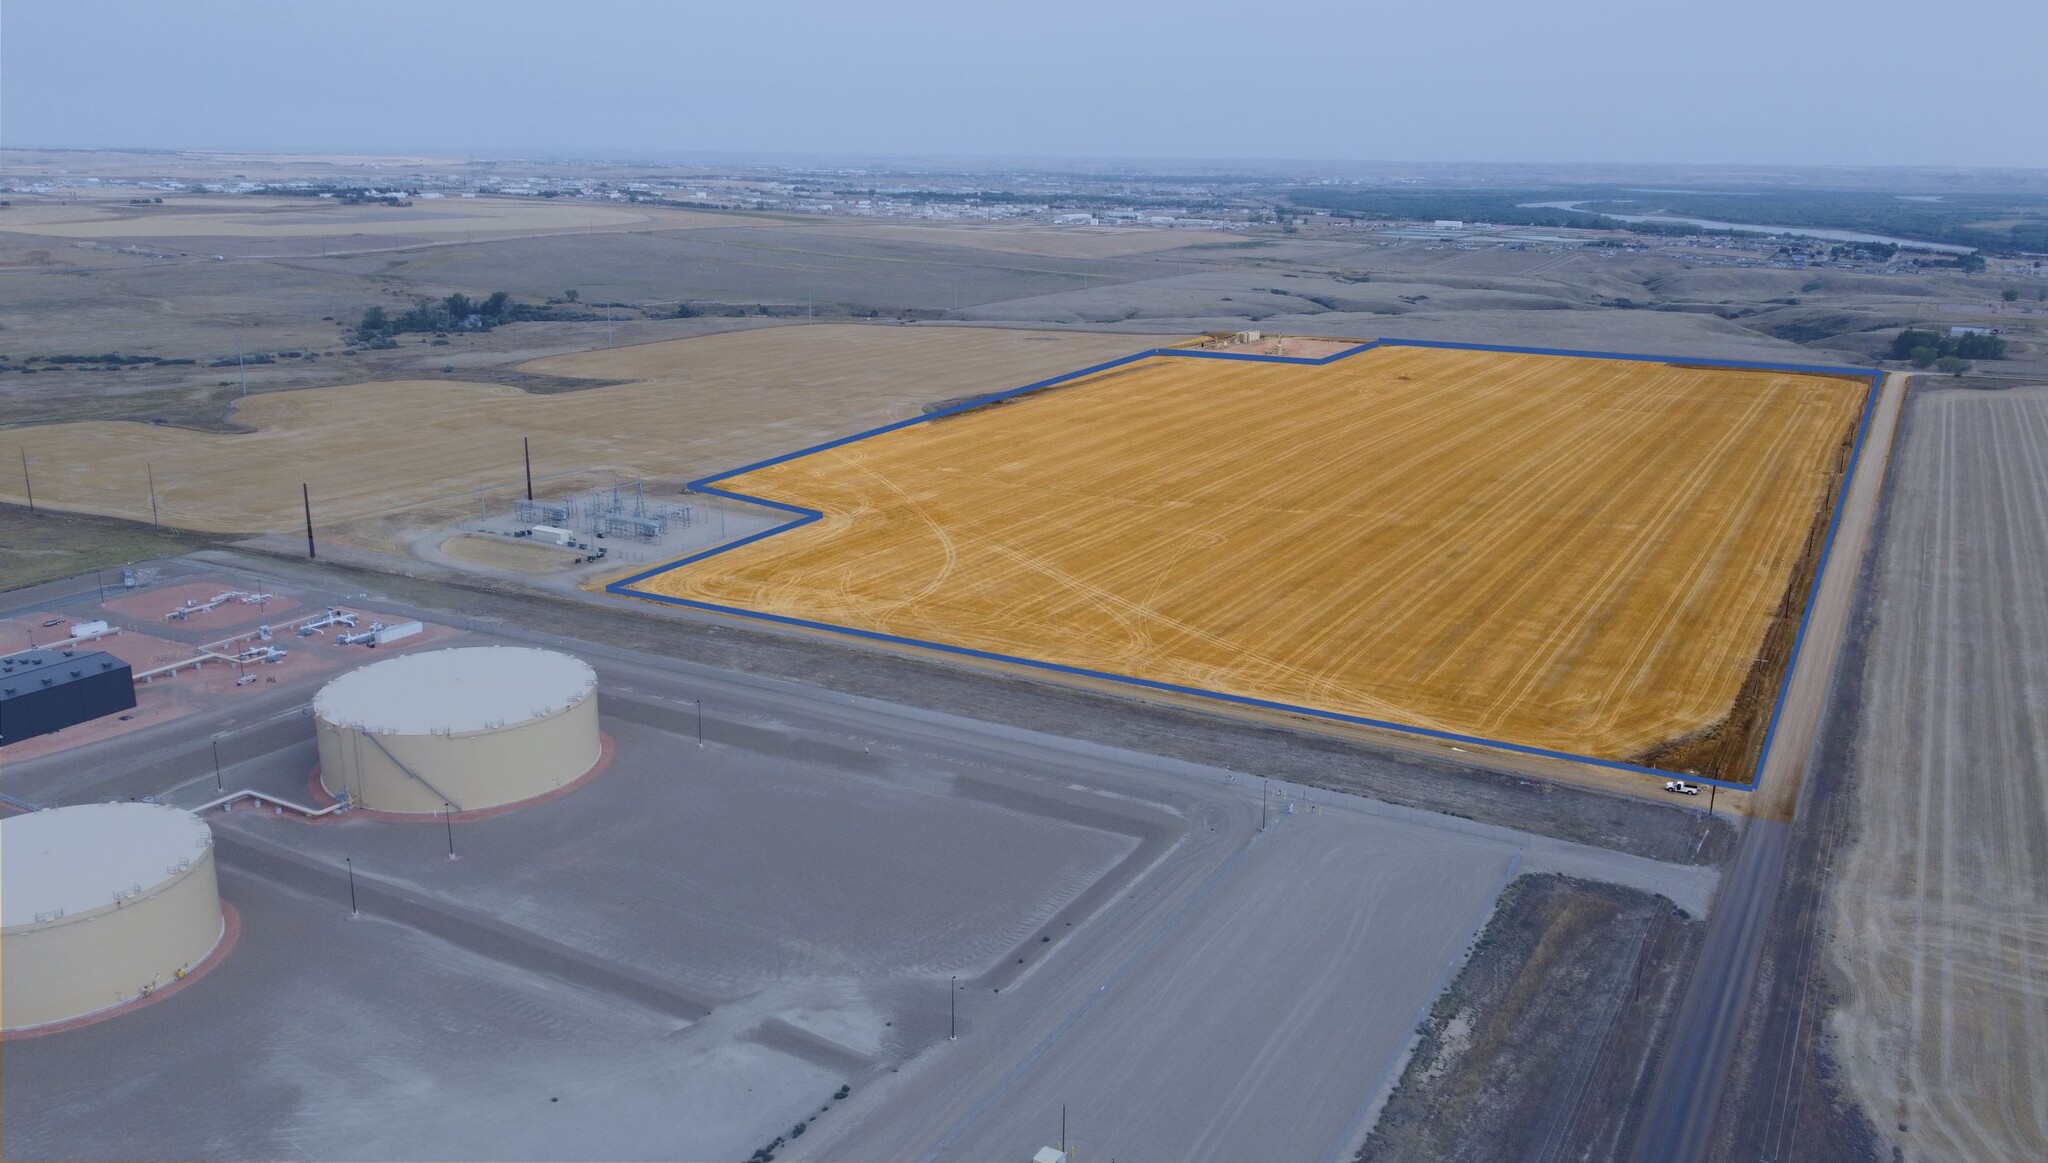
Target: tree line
<point x="1951" y="353"/>
<point x="459" y="312"/>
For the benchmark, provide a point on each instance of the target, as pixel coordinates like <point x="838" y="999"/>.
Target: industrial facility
<point x="48" y="690"/>
<point x="457" y="730"/>
<point x="102" y="904"/>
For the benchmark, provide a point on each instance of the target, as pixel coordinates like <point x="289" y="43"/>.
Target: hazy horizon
<point x="1477" y="83"/>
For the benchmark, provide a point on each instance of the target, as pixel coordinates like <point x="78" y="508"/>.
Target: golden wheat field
<point x="1575" y="554"/>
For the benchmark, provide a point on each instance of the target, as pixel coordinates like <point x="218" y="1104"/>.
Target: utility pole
<point x="100" y="576"/>
<point x="527" y="442"/>
<point x="351" y="862"/>
<point x="151" y="468"/>
<point x="239" y="365"/>
<point x="26" y="486"/>
<point x="448" y="816"/>
<point x="953" y="1009"/>
<point x="306" y="495"/>
<point x="217" y="786"/>
<point x="1264" y="786"/>
<point x="700" y="723"/>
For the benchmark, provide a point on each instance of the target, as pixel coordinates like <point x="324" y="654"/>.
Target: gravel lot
<point x="694" y="950"/>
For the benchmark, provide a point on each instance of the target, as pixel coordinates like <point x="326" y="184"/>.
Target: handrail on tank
<point x="379" y="745"/>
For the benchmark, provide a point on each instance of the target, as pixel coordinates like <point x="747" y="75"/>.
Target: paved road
<point x="1681" y="1111"/>
<point x="1683" y="1102"/>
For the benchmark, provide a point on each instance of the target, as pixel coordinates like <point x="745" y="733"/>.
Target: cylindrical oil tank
<point x="467" y="728"/>
<point x="100" y="904"/>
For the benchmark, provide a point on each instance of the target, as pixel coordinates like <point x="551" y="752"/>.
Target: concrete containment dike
<point x="467" y="728"/>
<point x="100" y="903"/>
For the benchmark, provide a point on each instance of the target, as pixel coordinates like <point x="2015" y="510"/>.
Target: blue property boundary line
<point x="803" y="516"/>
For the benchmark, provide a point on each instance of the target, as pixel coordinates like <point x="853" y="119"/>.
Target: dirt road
<point x="1683" y="1104"/>
<point x="1806" y="694"/>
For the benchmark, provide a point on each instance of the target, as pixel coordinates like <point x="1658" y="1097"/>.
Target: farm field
<point x="1581" y="555"/>
<point x="245" y="217"/>
<point x="690" y="406"/>
<point x="1936" y="915"/>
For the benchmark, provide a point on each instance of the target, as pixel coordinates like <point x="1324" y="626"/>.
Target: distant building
<point x="1449" y="224"/>
<point x="1073" y="220"/>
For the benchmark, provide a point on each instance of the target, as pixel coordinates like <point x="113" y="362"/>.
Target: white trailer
<point x="558" y="535"/>
<point x="395" y="632"/>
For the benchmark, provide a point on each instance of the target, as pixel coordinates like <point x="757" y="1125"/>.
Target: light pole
<point x="217" y="786"/>
<point x="953" y="1008"/>
<point x="1264" y="785"/>
<point x="448" y="817"/>
<point x="700" y="723"/>
<point x="350" y="861"/>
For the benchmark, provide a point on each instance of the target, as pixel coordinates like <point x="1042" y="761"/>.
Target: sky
<point x="1782" y="82"/>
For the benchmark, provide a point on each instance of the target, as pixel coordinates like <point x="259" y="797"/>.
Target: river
<point x="1752" y="228"/>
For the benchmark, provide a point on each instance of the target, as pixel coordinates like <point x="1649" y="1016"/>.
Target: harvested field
<point x="1574" y="554"/>
<point x="41" y="545"/>
<point x="368" y="450"/>
<point x="1938" y="917"/>
<point x="244" y="217"/>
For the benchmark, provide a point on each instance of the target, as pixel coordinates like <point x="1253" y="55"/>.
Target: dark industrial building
<point x="48" y="690"/>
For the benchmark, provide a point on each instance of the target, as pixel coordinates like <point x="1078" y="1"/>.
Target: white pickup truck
<point x="1682" y="788"/>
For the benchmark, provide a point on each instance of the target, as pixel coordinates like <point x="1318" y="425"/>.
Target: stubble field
<point x="1581" y="555"/>
<point x="686" y="407"/>
<point x="1938" y="922"/>
<point x="278" y="218"/>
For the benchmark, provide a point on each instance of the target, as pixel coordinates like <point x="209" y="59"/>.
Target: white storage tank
<point x="100" y="904"/>
<point x="467" y="728"/>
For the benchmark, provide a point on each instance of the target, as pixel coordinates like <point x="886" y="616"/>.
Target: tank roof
<point x="456" y="691"/>
<point x="76" y="859"/>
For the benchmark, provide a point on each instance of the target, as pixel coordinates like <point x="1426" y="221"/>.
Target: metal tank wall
<point x="479" y="769"/>
<point x="82" y="963"/>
